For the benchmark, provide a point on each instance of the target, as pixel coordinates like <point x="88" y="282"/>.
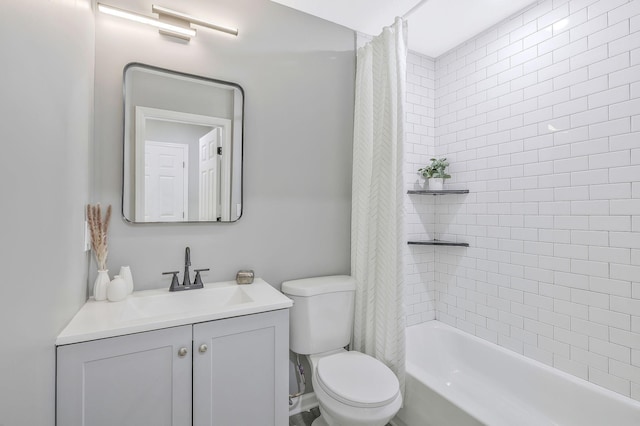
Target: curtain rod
<point x="414" y="8"/>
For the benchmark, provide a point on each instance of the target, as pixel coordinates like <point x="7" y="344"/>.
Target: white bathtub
<point x="456" y="379"/>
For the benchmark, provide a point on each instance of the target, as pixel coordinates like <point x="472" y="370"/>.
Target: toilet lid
<point x="356" y="379"/>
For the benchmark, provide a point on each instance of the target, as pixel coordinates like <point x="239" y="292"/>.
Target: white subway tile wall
<point x="420" y="223"/>
<point x="540" y="119"/>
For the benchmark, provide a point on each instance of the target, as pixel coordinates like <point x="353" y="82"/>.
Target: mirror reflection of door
<point x="215" y="175"/>
<point x="166" y="184"/>
<point x="205" y="193"/>
<point x="209" y="176"/>
<point x="173" y="107"/>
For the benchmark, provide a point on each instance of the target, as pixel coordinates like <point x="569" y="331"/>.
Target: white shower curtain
<point x="377" y="218"/>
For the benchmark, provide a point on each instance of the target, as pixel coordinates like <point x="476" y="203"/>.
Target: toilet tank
<point x="321" y="318"/>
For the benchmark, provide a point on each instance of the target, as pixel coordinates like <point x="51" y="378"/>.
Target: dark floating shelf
<point x="438" y="192"/>
<point x="437" y="243"/>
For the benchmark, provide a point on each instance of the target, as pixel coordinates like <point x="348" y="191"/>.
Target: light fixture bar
<point x="190" y="19"/>
<point x="170" y="29"/>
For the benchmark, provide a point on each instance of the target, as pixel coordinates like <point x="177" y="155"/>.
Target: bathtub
<point x="456" y="379"/>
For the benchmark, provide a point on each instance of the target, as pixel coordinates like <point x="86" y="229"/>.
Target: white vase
<point x="100" y="285"/>
<point x="125" y="274"/>
<point x="436" y="184"/>
<point x="117" y="290"/>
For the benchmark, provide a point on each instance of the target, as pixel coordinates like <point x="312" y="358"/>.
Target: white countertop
<point x="156" y="309"/>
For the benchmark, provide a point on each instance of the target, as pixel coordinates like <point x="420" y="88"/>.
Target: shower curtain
<point x="377" y="218"/>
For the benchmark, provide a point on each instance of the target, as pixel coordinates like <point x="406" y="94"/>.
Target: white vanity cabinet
<point x="242" y="378"/>
<point x="138" y="379"/>
<point x="233" y="372"/>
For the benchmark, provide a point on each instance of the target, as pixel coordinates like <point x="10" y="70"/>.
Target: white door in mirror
<point x="165" y="182"/>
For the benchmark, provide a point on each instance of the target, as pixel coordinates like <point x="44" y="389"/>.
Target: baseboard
<point x="302" y="403"/>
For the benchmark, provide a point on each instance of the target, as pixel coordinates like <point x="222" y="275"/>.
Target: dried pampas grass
<point x="98" y="228"/>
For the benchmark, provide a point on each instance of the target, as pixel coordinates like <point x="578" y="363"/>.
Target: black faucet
<point x="187" y="263"/>
<point x="186" y="283"/>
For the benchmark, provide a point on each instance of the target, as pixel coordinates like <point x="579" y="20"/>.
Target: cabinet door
<point x="133" y="380"/>
<point x="242" y="379"/>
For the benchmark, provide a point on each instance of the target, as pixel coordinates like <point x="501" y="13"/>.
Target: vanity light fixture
<point x="169" y="22"/>
<point x="191" y="20"/>
<point x="164" y="27"/>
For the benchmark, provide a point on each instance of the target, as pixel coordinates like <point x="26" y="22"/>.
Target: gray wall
<point x="149" y="89"/>
<point x="298" y="75"/>
<point x="297" y="72"/>
<point x="46" y="106"/>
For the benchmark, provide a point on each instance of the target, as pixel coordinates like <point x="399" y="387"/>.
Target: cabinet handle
<point x="203" y="348"/>
<point x="182" y="352"/>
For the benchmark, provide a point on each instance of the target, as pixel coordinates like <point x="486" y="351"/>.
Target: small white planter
<point x="100" y="285"/>
<point x="436" y="184"/>
<point x="125" y="274"/>
<point x="117" y="289"/>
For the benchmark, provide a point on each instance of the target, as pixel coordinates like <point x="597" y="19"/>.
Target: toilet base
<point x="319" y="421"/>
<point x="336" y="413"/>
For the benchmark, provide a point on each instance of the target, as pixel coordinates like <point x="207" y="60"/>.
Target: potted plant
<point x="435" y="173"/>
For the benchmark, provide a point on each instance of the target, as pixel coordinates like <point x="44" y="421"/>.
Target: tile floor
<point x="305" y="418"/>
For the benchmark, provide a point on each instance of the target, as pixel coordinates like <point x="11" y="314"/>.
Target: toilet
<point x="352" y="388"/>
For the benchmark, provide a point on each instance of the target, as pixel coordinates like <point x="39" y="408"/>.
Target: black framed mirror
<point x="183" y="139"/>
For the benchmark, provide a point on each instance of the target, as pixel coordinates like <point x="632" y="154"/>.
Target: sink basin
<point x="192" y="301"/>
<point x="155" y="309"/>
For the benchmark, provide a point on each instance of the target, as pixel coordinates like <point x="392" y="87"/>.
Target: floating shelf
<point x="437" y="243"/>
<point x="438" y="192"/>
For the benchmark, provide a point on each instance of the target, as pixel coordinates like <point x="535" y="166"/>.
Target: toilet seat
<point x="357" y="380"/>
